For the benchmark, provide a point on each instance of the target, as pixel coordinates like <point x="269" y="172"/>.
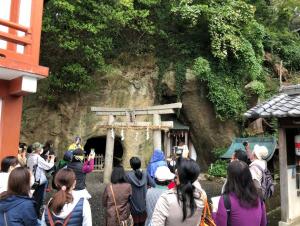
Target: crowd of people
<point x="163" y="194"/>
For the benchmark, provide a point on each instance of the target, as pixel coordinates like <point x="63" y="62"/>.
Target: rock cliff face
<point x="128" y="87"/>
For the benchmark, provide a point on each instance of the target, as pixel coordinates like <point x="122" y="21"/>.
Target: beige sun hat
<point x="260" y="152"/>
<point x="163" y="173"/>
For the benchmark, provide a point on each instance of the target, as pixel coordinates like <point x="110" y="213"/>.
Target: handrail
<point x="15" y="39"/>
<point x="14" y="26"/>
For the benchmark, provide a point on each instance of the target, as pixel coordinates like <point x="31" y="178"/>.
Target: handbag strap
<point x="204" y="212"/>
<point x="50" y="217"/>
<point x="66" y="221"/>
<point x="227" y="205"/>
<point x="113" y="195"/>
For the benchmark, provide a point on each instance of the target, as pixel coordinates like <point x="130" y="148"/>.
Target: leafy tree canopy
<point x="223" y="41"/>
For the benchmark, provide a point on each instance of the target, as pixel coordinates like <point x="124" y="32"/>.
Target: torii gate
<point x="131" y="114"/>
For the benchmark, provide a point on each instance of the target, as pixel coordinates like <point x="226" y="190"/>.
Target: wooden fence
<point x="99" y="163"/>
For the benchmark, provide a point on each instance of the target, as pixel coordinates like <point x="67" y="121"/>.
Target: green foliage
<point x="79" y="35"/>
<point x="218" y="152"/>
<point x="223" y="41"/>
<point x="290" y="53"/>
<point x="180" y="71"/>
<point x="218" y="169"/>
<point x="279" y="17"/>
<point x="235" y="52"/>
<point x="257" y="87"/>
<point x="162" y="67"/>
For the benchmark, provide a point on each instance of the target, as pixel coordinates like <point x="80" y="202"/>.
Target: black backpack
<point x="267" y="185"/>
<point x="227" y="205"/>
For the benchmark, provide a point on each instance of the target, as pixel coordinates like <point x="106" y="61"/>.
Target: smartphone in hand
<point x="92" y="151"/>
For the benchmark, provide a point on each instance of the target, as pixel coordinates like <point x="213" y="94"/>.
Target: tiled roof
<point x="237" y="143"/>
<point x="285" y="104"/>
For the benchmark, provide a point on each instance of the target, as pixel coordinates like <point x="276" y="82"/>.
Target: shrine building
<point x="20" y="34"/>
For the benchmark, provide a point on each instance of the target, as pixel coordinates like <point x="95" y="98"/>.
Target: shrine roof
<point x="237" y="143"/>
<point x="284" y="104"/>
<point x="179" y="126"/>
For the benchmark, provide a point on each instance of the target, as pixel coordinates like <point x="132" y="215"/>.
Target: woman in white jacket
<point x="183" y="205"/>
<point x="38" y="167"/>
<point x="258" y="164"/>
<point x="65" y="206"/>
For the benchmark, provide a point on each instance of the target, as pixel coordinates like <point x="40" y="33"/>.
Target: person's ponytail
<point x="187" y="172"/>
<point x="58" y="201"/>
<point x="64" y="181"/>
<point x="186" y="194"/>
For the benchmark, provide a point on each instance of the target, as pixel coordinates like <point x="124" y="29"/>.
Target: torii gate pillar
<point x="109" y="152"/>
<point x="157" y="133"/>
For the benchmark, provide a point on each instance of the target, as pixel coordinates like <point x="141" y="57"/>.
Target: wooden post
<point x="186" y="134"/>
<point x="284" y="194"/>
<point x="168" y="140"/>
<point x="109" y="152"/>
<point x="166" y="143"/>
<point x="156" y="133"/>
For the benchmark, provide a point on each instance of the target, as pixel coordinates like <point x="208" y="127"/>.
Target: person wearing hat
<point x="258" y="164"/>
<point x="76" y="144"/>
<point x="157" y="160"/>
<point x="80" y="169"/>
<point x="38" y="167"/>
<point x="163" y="176"/>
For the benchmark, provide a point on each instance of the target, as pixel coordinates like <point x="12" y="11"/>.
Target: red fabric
<point x="172" y="185"/>
<point x="139" y="218"/>
<point x="88" y="166"/>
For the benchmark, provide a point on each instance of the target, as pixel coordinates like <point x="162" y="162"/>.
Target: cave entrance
<point x="99" y="145"/>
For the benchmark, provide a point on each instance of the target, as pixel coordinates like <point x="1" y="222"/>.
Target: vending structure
<point x="20" y="32"/>
<point x="286" y="108"/>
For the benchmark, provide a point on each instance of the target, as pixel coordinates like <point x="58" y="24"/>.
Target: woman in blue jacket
<point x="157" y="160"/>
<point x="16" y="207"/>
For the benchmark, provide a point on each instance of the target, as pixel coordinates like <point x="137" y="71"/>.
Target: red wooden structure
<point x="20" y="33"/>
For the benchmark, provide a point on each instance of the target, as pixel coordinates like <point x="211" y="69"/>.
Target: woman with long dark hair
<point x="16" y="207"/>
<point x="183" y="205"/>
<point x="139" y="181"/>
<point x="66" y="206"/>
<point x="116" y="198"/>
<point x="245" y="202"/>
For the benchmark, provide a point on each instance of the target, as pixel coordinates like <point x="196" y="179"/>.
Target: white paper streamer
<point x="112" y="133"/>
<point x="136" y="136"/>
<point x="147" y="134"/>
<point x="122" y="135"/>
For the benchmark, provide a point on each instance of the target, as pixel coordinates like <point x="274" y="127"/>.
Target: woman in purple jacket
<point x="246" y="206"/>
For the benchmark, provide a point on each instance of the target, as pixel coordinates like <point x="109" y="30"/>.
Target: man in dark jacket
<point x="139" y="181"/>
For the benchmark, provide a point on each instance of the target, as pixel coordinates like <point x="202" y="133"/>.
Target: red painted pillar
<point x="10" y="122"/>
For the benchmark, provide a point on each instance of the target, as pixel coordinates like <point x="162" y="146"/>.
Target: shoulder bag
<point x="206" y="219"/>
<point x="129" y="220"/>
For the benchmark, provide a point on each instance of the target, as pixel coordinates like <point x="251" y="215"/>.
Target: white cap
<point x="260" y="151"/>
<point x="163" y="173"/>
